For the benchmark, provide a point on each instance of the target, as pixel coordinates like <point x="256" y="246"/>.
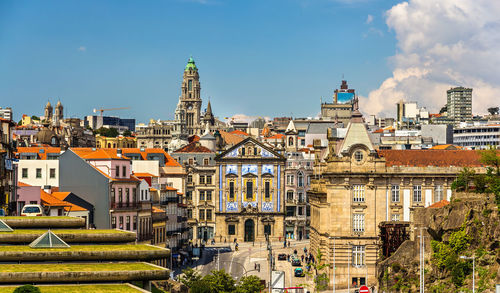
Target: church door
<point x="249" y="230"/>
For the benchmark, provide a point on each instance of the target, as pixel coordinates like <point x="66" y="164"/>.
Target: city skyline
<point x="114" y="54"/>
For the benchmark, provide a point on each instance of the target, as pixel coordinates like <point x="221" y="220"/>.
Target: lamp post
<point x="473" y="270"/>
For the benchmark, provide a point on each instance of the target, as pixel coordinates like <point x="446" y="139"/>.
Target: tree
<point x="493" y="110"/>
<point x="27" y="289"/>
<point x="189" y="277"/>
<point x="35" y="117"/>
<point x="107" y="132"/>
<point x="220" y="282"/>
<point x="321" y="279"/>
<point x="463" y="181"/>
<point x="443" y="109"/>
<point x="127" y="133"/>
<point x="250" y="284"/>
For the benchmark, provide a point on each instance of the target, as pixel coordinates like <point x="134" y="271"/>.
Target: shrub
<point x="27" y="289"/>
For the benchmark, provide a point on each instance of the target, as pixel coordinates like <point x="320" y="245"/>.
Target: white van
<point x="32" y="210"/>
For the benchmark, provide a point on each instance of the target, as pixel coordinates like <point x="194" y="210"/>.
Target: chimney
<point x="119" y="152"/>
<point x="47" y="188"/>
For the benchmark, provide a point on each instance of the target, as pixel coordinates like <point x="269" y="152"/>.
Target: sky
<point x="255" y="58"/>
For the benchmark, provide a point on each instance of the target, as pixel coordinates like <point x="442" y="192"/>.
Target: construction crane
<point x="110" y="109"/>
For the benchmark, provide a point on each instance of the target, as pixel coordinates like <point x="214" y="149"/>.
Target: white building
<point x="38" y="172"/>
<point x="6" y="113"/>
<point x="477" y="136"/>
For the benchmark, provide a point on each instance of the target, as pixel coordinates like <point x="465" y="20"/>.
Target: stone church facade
<point x="250" y="193"/>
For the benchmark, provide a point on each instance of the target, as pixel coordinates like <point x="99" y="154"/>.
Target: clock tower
<point x="190" y="99"/>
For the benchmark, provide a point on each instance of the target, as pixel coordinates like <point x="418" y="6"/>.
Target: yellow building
<point x="115" y="142"/>
<point x="358" y="187"/>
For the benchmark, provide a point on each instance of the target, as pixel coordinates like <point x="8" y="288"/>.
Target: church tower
<point x="58" y="115"/>
<point x="190" y="98"/>
<point x="48" y="112"/>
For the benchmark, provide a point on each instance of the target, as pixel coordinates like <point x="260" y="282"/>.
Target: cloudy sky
<point x="257" y="58"/>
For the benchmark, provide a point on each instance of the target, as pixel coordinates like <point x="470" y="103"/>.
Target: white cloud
<point x="82" y="49"/>
<point x="441" y="44"/>
<point x="369" y="19"/>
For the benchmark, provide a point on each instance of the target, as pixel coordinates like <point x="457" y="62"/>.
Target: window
<point x="254" y="151"/>
<point x="128" y="223"/>
<point x="301" y="197"/>
<point x="25" y="172"/>
<point x="289" y="195"/>
<point x="189" y="213"/>
<point x="290" y="141"/>
<point x="120" y="195"/>
<point x="358" y="223"/>
<point x="231" y="230"/>
<point x="417" y="193"/>
<point x="113" y="222"/>
<point x="189" y="195"/>
<point x="205" y="161"/>
<point x="135" y="223"/>
<point x="134" y="194"/>
<point x="121" y="223"/>
<point x="395" y="193"/>
<point x="267" y="229"/>
<point x="358" y="156"/>
<point x="209" y="214"/>
<point x="267" y="191"/>
<point x="438" y="193"/>
<point x="301" y="211"/>
<point x="249" y="194"/>
<point x="290" y="211"/>
<point x="113" y="195"/>
<point x="231" y="190"/>
<point x="52" y="173"/>
<point x="38" y="173"/>
<point x="124" y="171"/>
<point x="358" y="193"/>
<point x="395" y="217"/>
<point x="290" y="179"/>
<point x="142" y="194"/>
<point x="209" y="195"/>
<point x="117" y="170"/>
<point x="201" y="214"/>
<point x="208" y="179"/>
<point x="202" y="179"/>
<point x="243" y="151"/>
<point x="358" y="255"/>
<point x="127" y="195"/>
<point x="190" y="84"/>
<point x="300" y="180"/>
<point x="202" y="195"/>
<point x="308" y="178"/>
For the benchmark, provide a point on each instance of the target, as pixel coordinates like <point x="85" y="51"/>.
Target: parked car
<point x="282" y="256"/>
<point x="298" y="272"/>
<point x="32" y="210"/>
<point x="296" y="262"/>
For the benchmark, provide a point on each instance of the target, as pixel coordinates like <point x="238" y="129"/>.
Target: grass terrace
<point x="44" y="217"/>
<point x="104" y="288"/>
<point x="77" y="267"/>
<point x="66" y="231"/>
<point x="124" y="247"/>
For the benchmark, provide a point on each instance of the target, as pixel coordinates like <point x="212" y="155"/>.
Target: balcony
<point x="124" y="205"/>
<point x="168" y="200"/>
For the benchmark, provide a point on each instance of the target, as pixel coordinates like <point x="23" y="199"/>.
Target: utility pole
<point x="270" y="249"/>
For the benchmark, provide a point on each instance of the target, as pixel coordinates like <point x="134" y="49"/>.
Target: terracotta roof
<point x="423" y="158"/>
<point x="170" y="188"/>
<point x="50" y="200"/>
<point x="153" y="189"/>
<point x="169" y="161"/>
<point x="446" y="147"/>
<point x="22" y="184"/>
<point x="388" y="128"/>
<point x="193" y="138"/>
<point x="231" y="139"/>
<point x="434" y="115"/>
<point x="180" y="193"/>
<point x="439" y="204"/>
<point x="144" y="175"/>
<point x="194" y="147"/>
<point x="276" y="136"/>
<point x="70" y="206"/>
<point x="36" y="150"/>
<point x="239" y="132"/>
<point x="100" y="154"/>
<point x="157" y="210"/>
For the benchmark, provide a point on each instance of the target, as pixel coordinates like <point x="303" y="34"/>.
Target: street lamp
<point x="473" y="269"/>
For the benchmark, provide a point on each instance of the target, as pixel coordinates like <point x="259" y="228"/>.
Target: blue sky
<point x="259" y="58"/>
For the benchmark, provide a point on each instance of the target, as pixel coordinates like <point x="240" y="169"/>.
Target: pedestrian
<point x="302" y="257"/>
<point x="288" y="243"/>
<point x="305" y="250"/>
<point x="284" y="244"/>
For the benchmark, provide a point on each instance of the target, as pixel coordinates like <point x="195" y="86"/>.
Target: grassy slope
<point x="119" y="288"/>
<point x="97" y="267"/>
<point x="65" y="231"/>
<point x="124" y="247"/>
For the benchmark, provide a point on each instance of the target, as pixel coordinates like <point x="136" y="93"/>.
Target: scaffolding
<point x="392" y="235"/>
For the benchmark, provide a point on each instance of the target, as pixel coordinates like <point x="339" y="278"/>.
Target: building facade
<point x="477" y="136"/>
<point x="459" y="104"/>
<point x="342" y="106"/>
<point x="358" y="187"/>
<point x="250" y="193"/>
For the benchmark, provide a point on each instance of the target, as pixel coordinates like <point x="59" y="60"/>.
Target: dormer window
<point x="358" y="156"/>
<point x="242" y="151"/>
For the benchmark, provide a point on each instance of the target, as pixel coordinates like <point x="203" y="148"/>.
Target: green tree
<point x="27" y="289"/>
<point x="189" y="277"/>
<point x="220" y="282"/>
<point x="443" y="109"/>
<point x="108" y="132"/>
<point x="127" y="133"/>
<point x="493" y="110"/>
<point x="35" y="117"/>
<point x="464" y="180"/>
<point x="250" y="284"/>
<point x="321" y="279"/>
<point x="490" y="158"/>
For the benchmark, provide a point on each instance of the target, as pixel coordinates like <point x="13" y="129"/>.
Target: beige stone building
<point x="342" y="106"/>
<point x="357" y="187"/>
<point x="250" y="193"/>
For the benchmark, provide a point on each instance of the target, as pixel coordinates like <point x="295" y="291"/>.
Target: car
<point x="282" y="256"/>
<point x="32" y="210"/>
<point x="298" y="272"/>
<point x="296" y="262"/>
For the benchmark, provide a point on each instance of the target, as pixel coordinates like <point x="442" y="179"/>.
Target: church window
<point x="300" y="179"/>
<point x="267" y="229"/>
<point x="231" y="229"/>
<point x="358" y="156"/>
<point x="190" y="84"/>
<point x="231" y="190"/>
<point x="267" y="191"/>
<point x="290" y="141"/>
<point x="242" y="151"/>
<point x="254" y="151"/>
<point x="249" y="194"/>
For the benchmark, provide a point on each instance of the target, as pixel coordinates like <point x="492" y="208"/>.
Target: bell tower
<point x="190" y="98"/>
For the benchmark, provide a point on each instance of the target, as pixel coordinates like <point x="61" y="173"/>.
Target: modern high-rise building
<point x="459" y="104"/>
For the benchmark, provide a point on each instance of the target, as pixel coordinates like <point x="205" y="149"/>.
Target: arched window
<point x="290" y="141"/>
<point x="300" y="179"/>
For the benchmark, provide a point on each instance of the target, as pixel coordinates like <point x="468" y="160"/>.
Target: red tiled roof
<point x="144" y="175"/>
<point x="230" y="138"/>
<point x="439" y="204"/>
<point x="446" y="147"/>
<point x="239" y="132"/>
<point x="22" y="184"/>
<point x="193" y="138"/>
<point x="50" y="200"/>
<point x="41" y="155"/>
<point x="276" y="136"/>
<point x="157" y="210"/>
<point x="194" y="147"/>
<point x="169" y="161"/>
<point x="70" y="206"/>
<point x="438" y="158"/>
<point x="100" y="154"/>
<point x="170" y="188"/>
